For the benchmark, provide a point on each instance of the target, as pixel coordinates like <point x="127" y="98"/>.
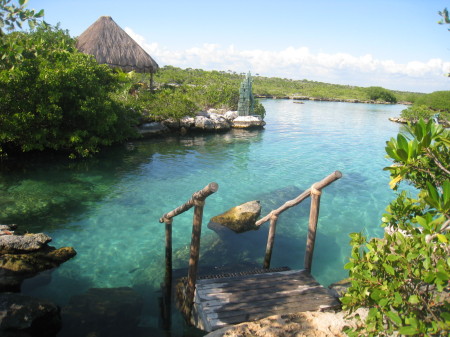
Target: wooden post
<point x="194" y="254"/>
<point x="270" y="240"/>
<point x="167" y="300"/>
<point x="312" y="227"/>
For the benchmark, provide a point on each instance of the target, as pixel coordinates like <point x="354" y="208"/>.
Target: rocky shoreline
<point x="204" y="121"/>
<point x="22" y="257"/>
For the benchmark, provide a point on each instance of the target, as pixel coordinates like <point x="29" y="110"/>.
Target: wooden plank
<point x="256" y="279"/>
<point x="206" y="279"/>
<point x="219" y="302"/>
<point x="273" y="285"/>
<point x="230" y="298"/>
<point x="257" y="284"/>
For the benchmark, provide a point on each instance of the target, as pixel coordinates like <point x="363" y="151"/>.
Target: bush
<point x="381" y="94"/>
<point x="437" y="101"/>
<point x="57" y="98"/>
<point x="403" y="277"/>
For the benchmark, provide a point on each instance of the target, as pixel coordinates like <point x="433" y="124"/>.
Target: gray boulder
<point x="204" y="123"/>
<point x="220" y="123"/>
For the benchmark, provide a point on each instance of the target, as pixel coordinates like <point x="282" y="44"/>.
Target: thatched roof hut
<point x="111" y="45"/>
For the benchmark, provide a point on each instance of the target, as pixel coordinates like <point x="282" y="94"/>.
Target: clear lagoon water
<point x="108" y="207"/>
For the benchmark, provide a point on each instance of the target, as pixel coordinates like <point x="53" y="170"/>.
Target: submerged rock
<point x="103" y="312"/>
<point x="22" y="315"/>
<point x="239" y="219"/>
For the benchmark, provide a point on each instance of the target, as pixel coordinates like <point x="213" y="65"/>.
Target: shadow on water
<point x="48" y="191"/>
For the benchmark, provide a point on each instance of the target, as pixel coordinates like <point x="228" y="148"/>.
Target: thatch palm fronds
<point x="111" y="45"/>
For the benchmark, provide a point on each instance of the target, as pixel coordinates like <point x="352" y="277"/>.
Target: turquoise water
<point x="108" y="207"/>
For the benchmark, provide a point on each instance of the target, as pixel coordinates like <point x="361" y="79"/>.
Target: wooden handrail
<point x="198" y="200"/>
<point x="314" y="191"/>
<point x="199" y="195"/>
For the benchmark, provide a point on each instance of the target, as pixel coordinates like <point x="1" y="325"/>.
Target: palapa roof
<point x="111" y="45"/>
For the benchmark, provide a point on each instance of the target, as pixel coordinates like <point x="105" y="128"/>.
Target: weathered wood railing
<point x="197" y="200"/>
<point x="314" y="191"/>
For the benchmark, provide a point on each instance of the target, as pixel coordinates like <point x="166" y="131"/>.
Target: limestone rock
<point x="302" y="324"/>
<point x="23" y="243"/>
<point x="171" y="123"/>
<point x="248" y="122"/>
<point x="24" y="256"/>
<point x="239" y="219"/>
<point x="338" y="289"/>
<point x="187" y="122"/>
<point x="22" y="315"/>
<point x="220" y="123"/>
<point x="152" y="129"/>
<point x="204" y="123"/>
<point x="231" y="115"/>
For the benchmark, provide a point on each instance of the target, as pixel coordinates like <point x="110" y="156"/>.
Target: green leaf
<point x="407" y="330"/>
<point x="389" y="269"/>
<point x="394" y="317"/>
<point x="392" y="257"/>
<point x="413" y="299"/>
<point x="402" y="154"/>
<point x="432" y="192"/>
<point x="23" y="2"/>
<point x="442" y="238"/>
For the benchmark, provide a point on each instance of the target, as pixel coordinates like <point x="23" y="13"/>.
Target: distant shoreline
<point x="326" y="99"/>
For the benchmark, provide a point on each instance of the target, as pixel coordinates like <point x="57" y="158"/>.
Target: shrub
<point x="403" y="277"/>
<point x="379" y="93"/>
<point x="57" y="98"/>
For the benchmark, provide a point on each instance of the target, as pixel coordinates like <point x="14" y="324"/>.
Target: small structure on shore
<point x="246" y="103"/>
<point x="111" y="45"/>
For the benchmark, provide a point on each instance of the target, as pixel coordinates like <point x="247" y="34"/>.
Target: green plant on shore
<point x="381" y="94"/>
<point x="428" y="105"/>
<point x="57" y="98"/>
<point x="404" y="277"/>
<point x="14" y="16"/>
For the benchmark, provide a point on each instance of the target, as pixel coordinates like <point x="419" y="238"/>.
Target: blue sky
<point x="396" y="44"/>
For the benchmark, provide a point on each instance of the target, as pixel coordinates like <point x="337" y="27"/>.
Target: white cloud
<point x="301" y="63"/>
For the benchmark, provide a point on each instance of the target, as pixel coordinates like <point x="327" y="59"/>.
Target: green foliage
<point x="57" y="98"/>
<point x="404" y="277"/>
<point x="416" y="112"/>
<point x="438" y="101"/>
<point x="445" y="18"/>
<point x="381" y="94"/>
<point x="13" y="16"/>
<point x="428" y="105"/>
<point x="259" y="109"/>
<point x="170" y="103"/>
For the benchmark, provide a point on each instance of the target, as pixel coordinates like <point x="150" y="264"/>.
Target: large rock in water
<point x="239" y="219"/>
<point x="24" y="256"/>
<point x="28" y="316"/>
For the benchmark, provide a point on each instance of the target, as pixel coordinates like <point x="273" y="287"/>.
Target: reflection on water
<point x="108" y="207"/>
